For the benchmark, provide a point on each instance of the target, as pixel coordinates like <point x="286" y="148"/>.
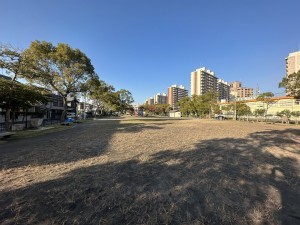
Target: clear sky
<point x="147" y="45"/>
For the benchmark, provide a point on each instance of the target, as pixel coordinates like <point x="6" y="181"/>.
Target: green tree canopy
<point x="184" y="106"/>
<point x="125" y="100"/>
<point x="242" y="109"/>
<point x="11" y="60"/>
<point x="267" y="99"/>
<point x="291" y="83"/>
<point x="199" y="105"/>
<point x="101" y="93"/>
<point x="259" y="112"/>
<point x="14" y="95"/>
<point x="59" y="68"/>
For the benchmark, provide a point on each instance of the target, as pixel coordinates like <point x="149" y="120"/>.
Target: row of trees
<point x="206" y="105"/>
<point x="105" y="98"/>
<point x="157" y="109"/>
<point x="199" y="106"/>
<point x="49" y="68"/>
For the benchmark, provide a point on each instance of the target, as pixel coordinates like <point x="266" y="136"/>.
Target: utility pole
<point x="84" y="109"/>
<point x="235" y="114"/>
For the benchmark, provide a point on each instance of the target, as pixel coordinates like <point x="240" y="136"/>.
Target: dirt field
<point x="153" y="172"/>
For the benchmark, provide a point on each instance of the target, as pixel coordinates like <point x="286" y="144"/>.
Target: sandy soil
<point x="153" y="172"/>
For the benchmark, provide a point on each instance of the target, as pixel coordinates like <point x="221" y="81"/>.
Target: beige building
<point x="203" y="81"/>
<point x="160" y="98"/>
<point x="238" y="91"/>
<point x="149" y="101"/>
<point x="279" y="104"/>
<point x="292" y="63"/>
<point x="175" y="93"/>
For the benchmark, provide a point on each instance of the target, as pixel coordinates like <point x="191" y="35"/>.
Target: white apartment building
<point x="203" y="81"/>
<point x="150" y="101"/>
<point x="175" y="93"/>
<point x="160" y="98"/>
<point x="292" y="63"/>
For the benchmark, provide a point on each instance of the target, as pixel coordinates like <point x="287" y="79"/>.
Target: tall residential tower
<point x="175" y="93"/>
<point x="292" y="63"/>
<point x="160" y="98"/>
<point x="203" y="81"/>
<point x="292" y="66"/>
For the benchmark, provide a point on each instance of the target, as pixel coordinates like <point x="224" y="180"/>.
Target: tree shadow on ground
<point x="78" y="143"/>
<point x="219" y="181"/>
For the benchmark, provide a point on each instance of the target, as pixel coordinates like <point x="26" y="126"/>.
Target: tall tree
<point x="184" y="106"/>
<point x="101" y="94"/>
<point x="124" y="99"/>
<point x="210" y="100"/>
<point x="242" y="109"/>
<point x="259" y="112"/>
<point x="60" y="68"/>
<point x="291" y="83"/>
<point x="10" y="62"/>
<point x="267" y="99"/>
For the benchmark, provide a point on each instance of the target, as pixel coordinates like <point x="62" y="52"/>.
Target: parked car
<point x="220" y="117"/>
<point x="71" y="115"/>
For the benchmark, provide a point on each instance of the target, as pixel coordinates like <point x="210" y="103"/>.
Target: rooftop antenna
<point x="257" y="90"/>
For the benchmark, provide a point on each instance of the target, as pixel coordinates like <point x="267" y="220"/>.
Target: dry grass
<point x="153" y="172"/>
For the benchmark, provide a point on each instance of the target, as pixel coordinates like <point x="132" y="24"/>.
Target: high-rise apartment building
<point x="160" y="98"/>
<point x="292" y="63"/>
<point x="203" y="81"/>
<point x="223" y="90"/>
<point x="237" y="91"/>
<point x="175" y="93"/>
<point x="292" y="66"/>
<point x="149" y="101"/>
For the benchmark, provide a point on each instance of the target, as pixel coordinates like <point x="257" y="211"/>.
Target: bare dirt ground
<point x="153" y="172"/>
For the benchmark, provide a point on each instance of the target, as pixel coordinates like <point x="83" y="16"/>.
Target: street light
<point x="235" y="114"/>
<point x="234" y="98"/>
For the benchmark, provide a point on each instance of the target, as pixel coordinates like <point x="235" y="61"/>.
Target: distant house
<point x="174" y="113"/>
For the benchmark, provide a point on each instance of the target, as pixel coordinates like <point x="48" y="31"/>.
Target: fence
<point x="2" y="127"/>
<point x="47" y="122"/>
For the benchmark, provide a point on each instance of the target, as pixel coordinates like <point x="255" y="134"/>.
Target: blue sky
<point x="146" y="46"/>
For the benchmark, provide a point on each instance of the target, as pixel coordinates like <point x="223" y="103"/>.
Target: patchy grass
<point x="153" y="172"/>
<point x="33" y="133"/>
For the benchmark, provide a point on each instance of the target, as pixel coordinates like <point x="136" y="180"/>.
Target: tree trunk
<point x="63" y="115"/>
<point x="7" y="119"/>
<point x="13" y="117"/>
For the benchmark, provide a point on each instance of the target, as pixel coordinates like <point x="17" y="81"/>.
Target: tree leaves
<point x="292" y="84"/>
<point x="60" y="67"/>
<point x="14" y="95"/>
<point x="199" y="105"/>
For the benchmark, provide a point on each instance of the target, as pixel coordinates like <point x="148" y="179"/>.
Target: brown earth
<point x="153" y="172"/>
